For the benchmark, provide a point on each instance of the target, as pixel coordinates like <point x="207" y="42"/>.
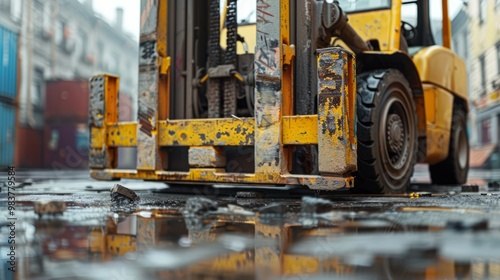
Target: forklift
<point x="324" y="94"/>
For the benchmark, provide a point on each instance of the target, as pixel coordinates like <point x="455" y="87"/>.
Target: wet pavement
<point x="187" y="232"/>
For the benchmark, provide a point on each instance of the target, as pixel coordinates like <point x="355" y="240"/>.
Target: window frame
<point x="482" y="66"/>
<point x="483" y="4"/>
<point x="497" y="47"/>
<point x="6" y="6"/>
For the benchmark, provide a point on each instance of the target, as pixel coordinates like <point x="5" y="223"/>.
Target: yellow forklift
<point x="326" y="94"/>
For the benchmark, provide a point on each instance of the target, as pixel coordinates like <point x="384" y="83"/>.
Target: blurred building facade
<point x="63" y="42"/>
<point x="484" y="77"/>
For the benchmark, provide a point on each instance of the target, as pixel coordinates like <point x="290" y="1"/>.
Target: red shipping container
<point x="66" y="146"/>
<point x="29" y="149"/>
<point x="66" y="101"/>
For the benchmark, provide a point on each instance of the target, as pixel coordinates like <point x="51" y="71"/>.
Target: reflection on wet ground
<point x="176" y="236"/>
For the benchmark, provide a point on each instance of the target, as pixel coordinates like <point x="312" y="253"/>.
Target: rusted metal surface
<point x="119" y="244"/>
<point x="147" y="136"/>
<point x="296" y="130"/>
<point x="96" y="108"/>
<point x="103" y="109"/>
<point x="218" y="175"/>
<point x="269" y="157"/>
<point x="206" y="157"/>
<point x="152" y="52"/>
<point x="336" y="99"/>
<point x="237" y="132"/>
<point x="272" y="132"/>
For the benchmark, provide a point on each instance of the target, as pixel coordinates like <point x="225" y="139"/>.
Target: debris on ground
<point x="118" y="192"/>
<point x="124" y="199"/>
<point x="49" y="207"/>
<point x="199" y="206"/>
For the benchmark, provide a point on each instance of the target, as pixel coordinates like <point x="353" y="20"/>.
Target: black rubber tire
<point x="385" y="105"/>
<point x="454" y="169"/>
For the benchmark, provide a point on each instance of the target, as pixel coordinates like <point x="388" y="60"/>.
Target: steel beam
<point x="103" y="110"/>
<point x="152" y="80"/>
<point x="269" y="157"/>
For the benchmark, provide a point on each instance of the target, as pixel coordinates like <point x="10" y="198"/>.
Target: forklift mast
<point x="208" y="115"/>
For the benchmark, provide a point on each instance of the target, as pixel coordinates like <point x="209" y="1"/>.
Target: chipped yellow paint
<point x="300" y="130"/>
<point x="100" y="154"/>
<point x="218" y="175"/>
<point x="162" y="28"/>
<point x="207" y="132"/>
<point x="297" y="130"/>
<point x="336" y="99"/>
<point x="233" y="262"/>
<point x="98" y="137"/>
<point x="376" y="25"/>
<point x="119" y="244"/>
<point x="300" y="265"/>
<point x="271" y="132"/>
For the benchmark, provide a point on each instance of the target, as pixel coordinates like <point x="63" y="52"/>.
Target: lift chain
<point x="214" y="34"/>
<point x="214" y="56"/>
<point x="231" y="86"/>
<point x="232" y="31"/>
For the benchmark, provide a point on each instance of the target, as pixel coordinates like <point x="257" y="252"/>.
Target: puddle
<point x="315" y="241"/>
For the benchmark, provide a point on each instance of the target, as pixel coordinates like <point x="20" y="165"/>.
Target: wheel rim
<point x="462" y="148"/>
<point x="395" y="137"/>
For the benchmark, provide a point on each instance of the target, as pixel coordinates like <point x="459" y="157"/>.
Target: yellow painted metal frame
<point x="272" y="132"/>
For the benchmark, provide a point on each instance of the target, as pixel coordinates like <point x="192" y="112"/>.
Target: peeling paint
<point x="335" y="153"/>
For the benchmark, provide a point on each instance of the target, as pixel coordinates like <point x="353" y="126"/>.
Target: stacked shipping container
<point x="8" y="92"/>
<point x="66" y="134"/>
<point x="66" y="130"/>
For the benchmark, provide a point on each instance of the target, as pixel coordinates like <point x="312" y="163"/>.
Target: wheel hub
<point x="395" y="134"/>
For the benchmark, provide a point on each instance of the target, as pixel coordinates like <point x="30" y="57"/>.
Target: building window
<point x="486" y="132"/>
<point x="498" y="58"/>
<point x="5" y="6"/>
<point x="101" y="63"/>
<point x="60" y="35"/>
<point x="83" y="44"/>
<point x="37" y="89"/>
<point x="466" y="44"/>
<point x="38" y="18"/>
<point x="482" y="11"/>
<point x="482" y="64"/>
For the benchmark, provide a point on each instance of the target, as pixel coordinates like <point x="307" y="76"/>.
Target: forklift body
<point x="333" y="95"/>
